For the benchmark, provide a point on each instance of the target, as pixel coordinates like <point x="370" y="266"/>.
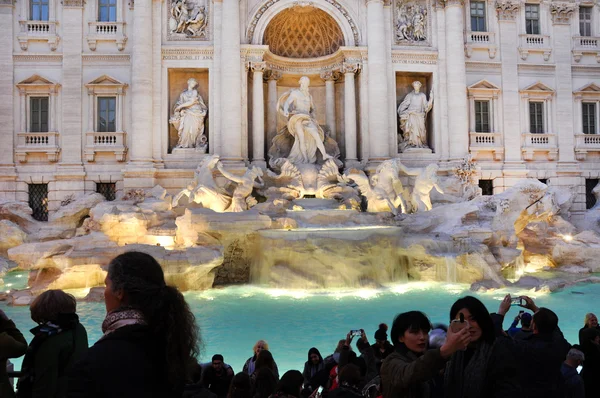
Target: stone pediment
<point x="591" y="88"/>
<point x="538" y="87"/>
<point x="36" y="80"/>
<point x="105" y="80"/>
<point x="483" y="85"/>
<point x="106" y="84"/>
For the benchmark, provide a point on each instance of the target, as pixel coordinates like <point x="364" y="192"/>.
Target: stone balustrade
<point x="28" y="143"/>
<point x="481" y="40"/>
<point x="586" y="45"/>
<point x="546" y="143"/>
<point x="534" y="43"/>
<point x="111" y="142"/>
<point x="585" y="143"/>
<point x="106" y="31"/>
<point x="486" y="142"/>
<point x="37" y="30"/>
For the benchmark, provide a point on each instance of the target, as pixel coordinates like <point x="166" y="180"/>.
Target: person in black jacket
<point x="590" y="322"/>
<point x="216" y="378"/>
<point x="590" y="346"/>
<point x="314" y="365"/>
<point x="150" y="336"/>
<point x="540" y="355"/>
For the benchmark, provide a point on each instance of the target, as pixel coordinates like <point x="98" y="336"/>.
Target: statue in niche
<point x="302" y="140"/>
<point x="188" y="119"/>
<point x="411" y="23"/>
<point x="426" y="180"/>
<point x="242" y="195"/>
<point x="412" y="113"/>
<point x="189" y="18"/>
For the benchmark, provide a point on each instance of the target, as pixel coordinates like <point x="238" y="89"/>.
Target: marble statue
<point x="412" y="113"/>
<point x="298" y="107"/>
<point x="188" y="18"/>
<point x="411" y="23"/>
<point x="204" y="190"/>
<point x="188" y="118"/>
<point x="384" y="192"/>
<point x="242" y="195"/>
<point x="426" y="180"/>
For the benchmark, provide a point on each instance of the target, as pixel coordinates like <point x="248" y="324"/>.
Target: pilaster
<point x="8" y="175"/>
<point x="271" y="77"/>
<point x="562" y="36"/>
<point x="330" y="78"/>
<point x="258" y="114"/>
<point x="508" y="10"/>
<point x="349" y="69"/>
<point x="378" y="85"/>
<point x="458" y="121"/>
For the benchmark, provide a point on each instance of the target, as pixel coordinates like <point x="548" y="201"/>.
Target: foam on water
<point x="232" y="319"/>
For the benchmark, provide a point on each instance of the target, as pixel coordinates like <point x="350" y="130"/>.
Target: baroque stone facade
<point x="87" y="90"/>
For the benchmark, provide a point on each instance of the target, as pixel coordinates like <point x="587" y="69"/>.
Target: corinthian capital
<point x="272" y="75"/>
<point x="507" y="9"/>
<point x="561" y="12"/>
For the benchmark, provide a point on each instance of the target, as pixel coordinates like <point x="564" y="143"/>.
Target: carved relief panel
<point x="412" y="23"/>
<point x="187" y="19"/>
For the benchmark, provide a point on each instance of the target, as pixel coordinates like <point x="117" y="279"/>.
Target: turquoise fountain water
<point x="233" y="319"/>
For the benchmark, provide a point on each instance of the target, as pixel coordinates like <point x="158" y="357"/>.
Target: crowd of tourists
<point x="149" y="348"/>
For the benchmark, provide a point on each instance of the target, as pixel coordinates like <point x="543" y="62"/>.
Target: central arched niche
<point x="303" y="32"/>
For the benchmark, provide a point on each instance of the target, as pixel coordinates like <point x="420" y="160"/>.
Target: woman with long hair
<point x="240" y="386"/>
<point x="290" y="385"/>
<point x="150" y="339"/>
<point x="410" y="370"/>
<point x="250" y="365"/>
<point x="59" y="341"/>
<point x="590" y="346"/>
<point x="314" y="365"/>
<point x="589" y="322"/>
<point x="487" y="368"/>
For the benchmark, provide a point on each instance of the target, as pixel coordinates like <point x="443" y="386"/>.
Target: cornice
<point x="106" y="58"/>
<point x="475" y="66"/>
<point x="73" y="3"/>
<point x="536" y="68"/>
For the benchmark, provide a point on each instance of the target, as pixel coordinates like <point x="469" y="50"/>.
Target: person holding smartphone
<point x="409" y="371"/>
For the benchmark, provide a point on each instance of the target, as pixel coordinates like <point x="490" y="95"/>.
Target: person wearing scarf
<point x="59" y="341"/>
<point x="313" y="366"/>
<point x="409" y="371"/>
<point x="150" y="336"/>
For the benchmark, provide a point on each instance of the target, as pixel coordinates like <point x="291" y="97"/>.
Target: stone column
<point x="458" y="121"/>
<point x="8" y="174"/>
<point x="231" y="83"/>
<point x="271" y="77"/>
<point x="378" y="90"/>
<point x="214" y="135"/>
<point x="141" y="86"/>
<point x="349" y="70"/>
<point x="330" y="77"/>
<point x="508" y="12"/>
<point x="258" y="114"/>
<point x="561" y="36"/>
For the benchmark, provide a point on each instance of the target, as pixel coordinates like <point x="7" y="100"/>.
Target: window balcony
<point x="535" y="43"/>
<point x="585" y="143"/>
<point x="545" y="143"/>
<point x="28" y="143"/>
<point x="38" y="31"/>
<point x="105" y="142"/>
<point x="486" y="142"/>
<point x="586" y="45"/>
<point x="106" y="31"/>
<point x="481" y="40"/>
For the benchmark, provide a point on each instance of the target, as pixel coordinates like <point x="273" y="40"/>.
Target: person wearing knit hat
<point x="382" y="347"/>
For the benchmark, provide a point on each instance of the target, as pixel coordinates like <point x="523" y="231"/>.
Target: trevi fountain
<point x="333" y="204"/>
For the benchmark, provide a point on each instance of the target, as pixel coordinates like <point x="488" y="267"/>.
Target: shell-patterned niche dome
<point x="303" y="32"/>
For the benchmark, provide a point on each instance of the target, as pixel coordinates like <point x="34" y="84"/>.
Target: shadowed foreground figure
<point x="150" y="336"/>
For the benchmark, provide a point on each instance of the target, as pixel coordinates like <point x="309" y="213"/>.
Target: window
<point x="108" y="190"/>
<point x="107" y="10"/>
<point x="585" y="21"/>
<point x="478" y="16"/>
<point x="536" y="117"/>
<point x="482" y="116"/>
<point x="543" y="180"/>
<point x="38" y="201"/>
<point x="487" y="187"/>
<point x="38" y="121"/>
<point x="588" y="110"/>
<point x="39" y="10"/>
<point x="532" y="19"/>
<point x="107" y="114"/>
<point x="590" y="198"/>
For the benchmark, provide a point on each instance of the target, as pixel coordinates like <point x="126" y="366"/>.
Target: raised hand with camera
<point x="457" y="339"/>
